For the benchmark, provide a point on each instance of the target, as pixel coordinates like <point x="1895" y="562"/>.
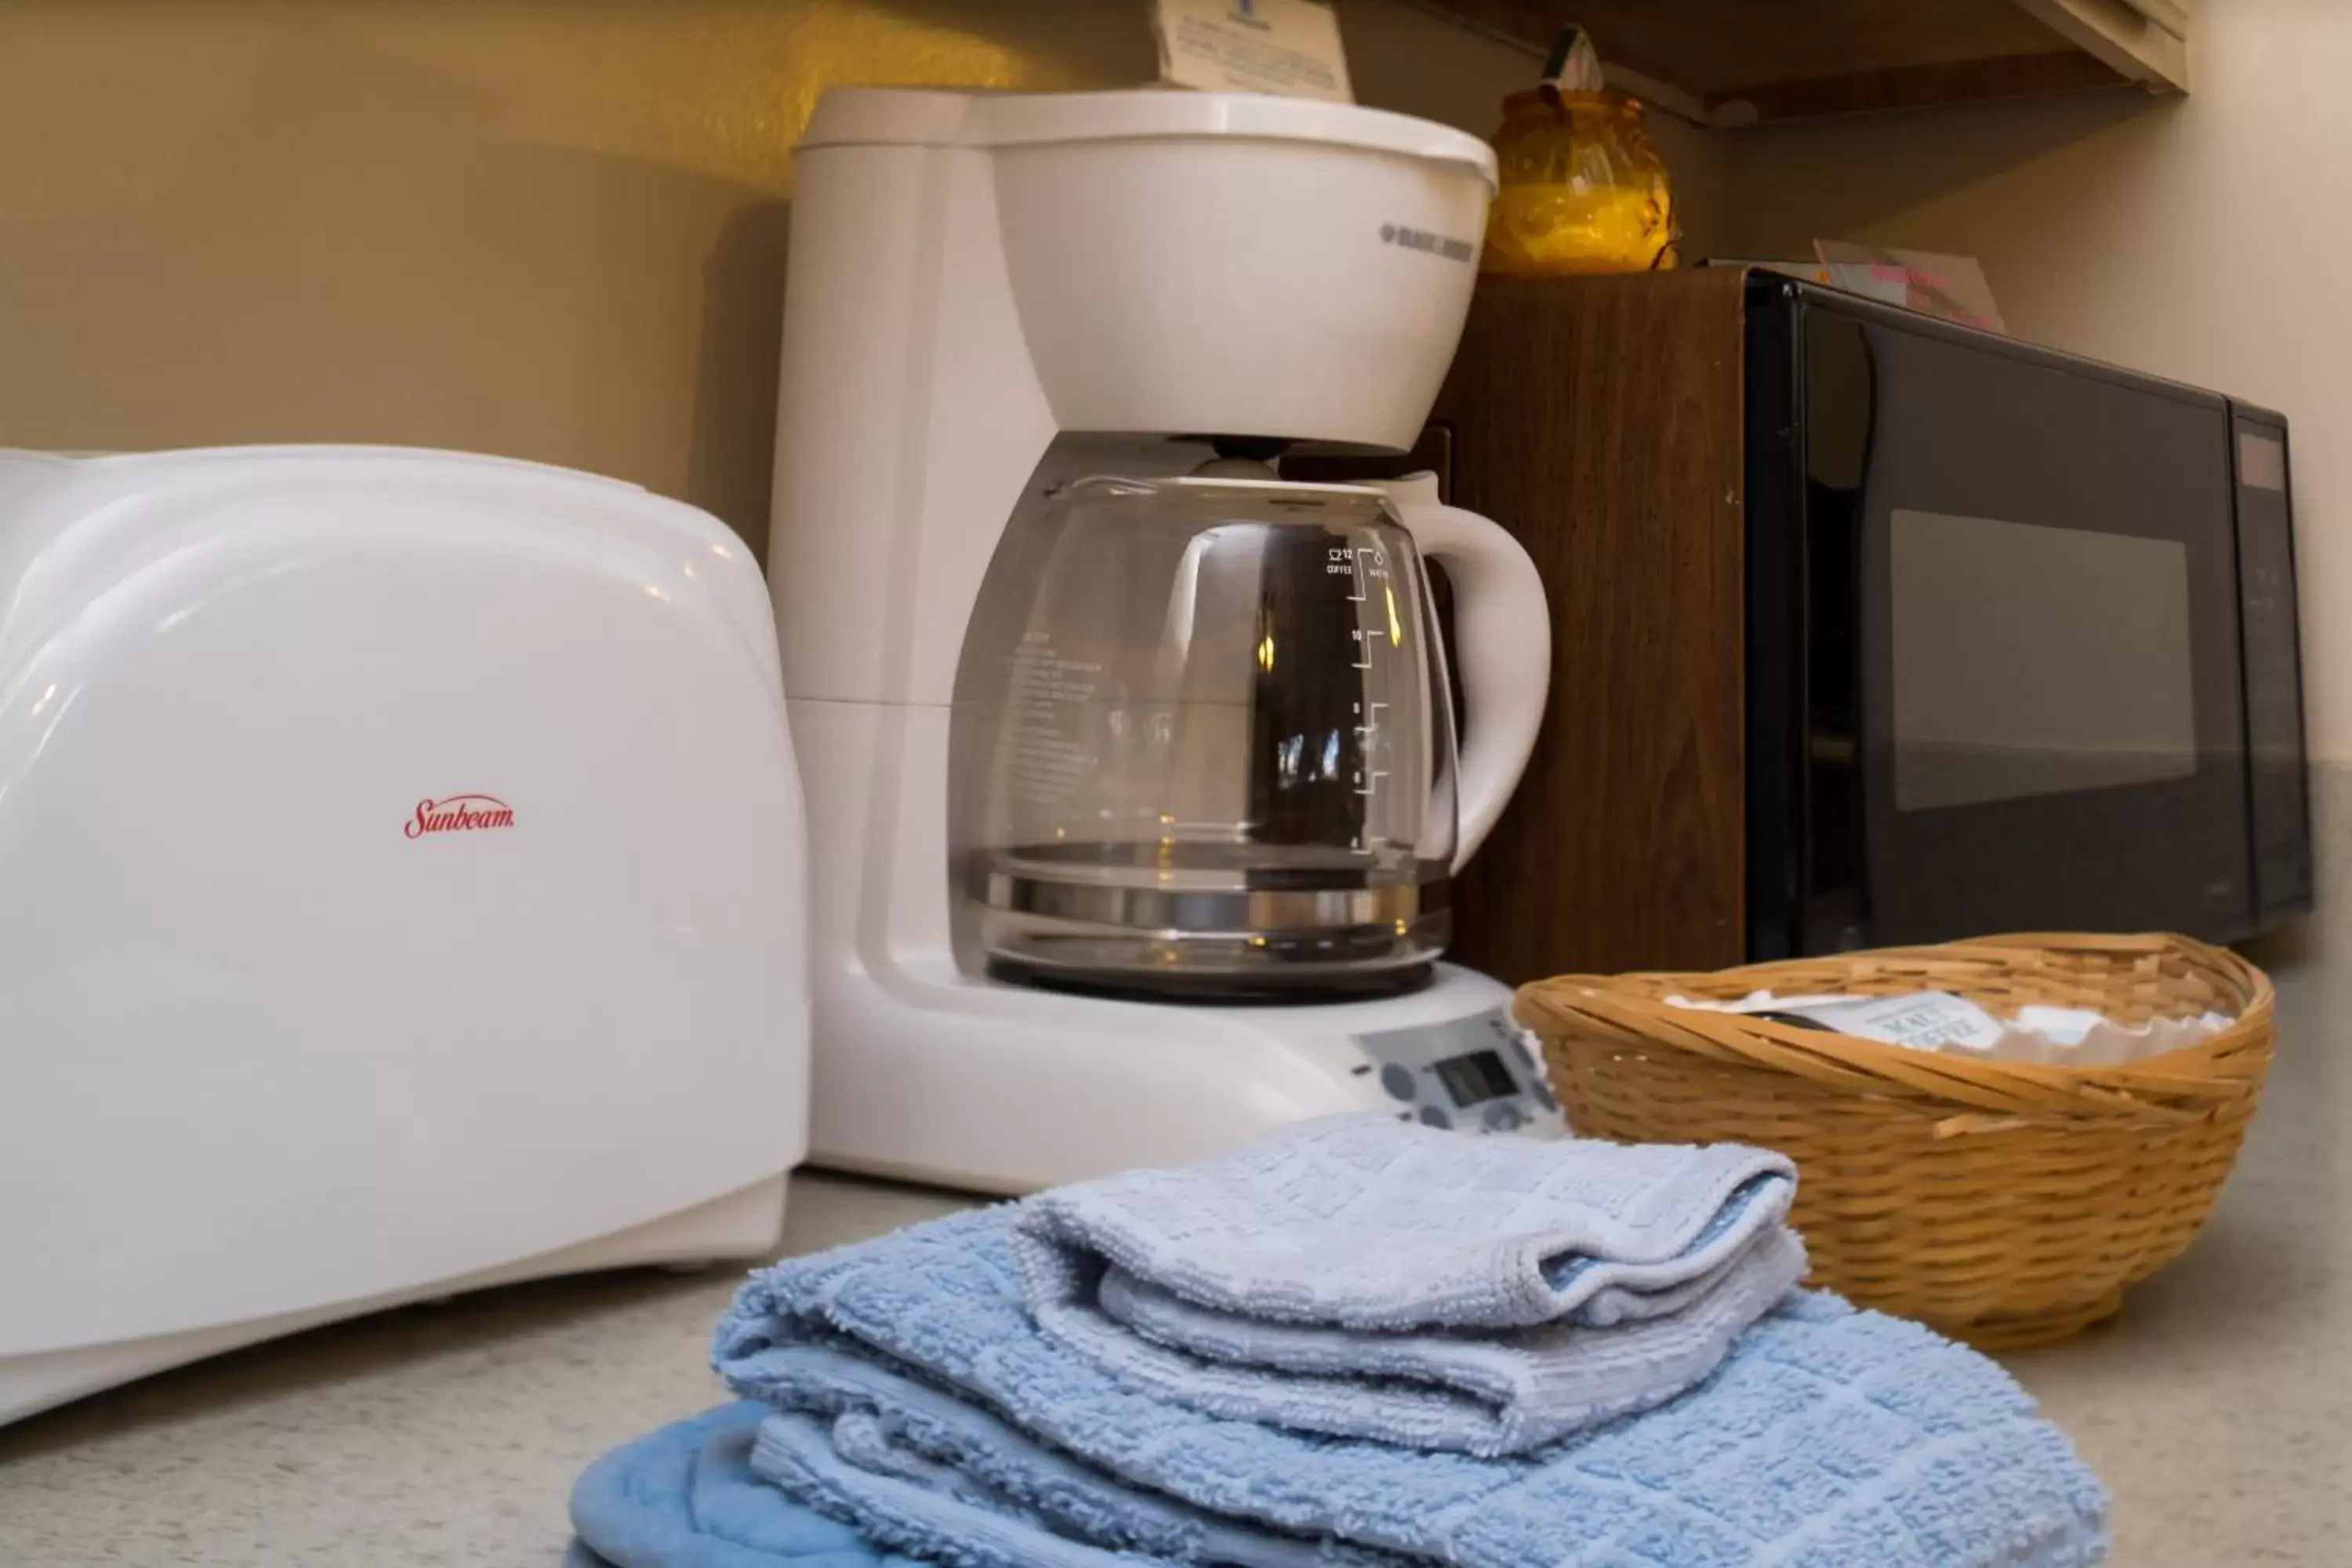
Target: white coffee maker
<point x="994" y="297"/>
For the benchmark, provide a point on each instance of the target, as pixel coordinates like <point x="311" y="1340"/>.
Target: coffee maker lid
<point x="892" y="116"/>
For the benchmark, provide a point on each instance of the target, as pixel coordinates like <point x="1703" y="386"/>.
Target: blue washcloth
<point x="1827" y="1438"/>
<point x="1364" y="1222"/>
<point x="1324" y="1278"/>
<point x="684" y="1497"/>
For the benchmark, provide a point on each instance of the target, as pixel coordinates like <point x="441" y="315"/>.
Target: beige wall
<point x="2204" y="240"/>
<point x="556" y="229"/>
<point x="548" y="228"/>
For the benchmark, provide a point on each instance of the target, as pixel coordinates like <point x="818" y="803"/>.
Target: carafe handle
<point x="1502" y="634"/>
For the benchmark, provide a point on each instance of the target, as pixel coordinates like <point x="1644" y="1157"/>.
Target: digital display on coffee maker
<point x="1480" y="1076"/>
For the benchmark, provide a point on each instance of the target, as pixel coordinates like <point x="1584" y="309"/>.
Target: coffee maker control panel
<point x="1477" y="1074"/>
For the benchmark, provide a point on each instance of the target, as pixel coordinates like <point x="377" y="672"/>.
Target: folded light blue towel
<point x="925" y="1473"/>
<point x="1827" y="1438"/>
<point x="1440" y="1388"/>
<point x="1326" y="1277"/>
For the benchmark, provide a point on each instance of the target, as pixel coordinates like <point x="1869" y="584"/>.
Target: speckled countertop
<point x="2217" y="1408"/>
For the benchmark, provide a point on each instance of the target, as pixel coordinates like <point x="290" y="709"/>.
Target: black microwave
<point x="2022" y="643"/>
<point x="1871" y="629"/>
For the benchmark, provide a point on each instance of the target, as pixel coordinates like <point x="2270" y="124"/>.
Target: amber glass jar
<point x="1583" y="189"/>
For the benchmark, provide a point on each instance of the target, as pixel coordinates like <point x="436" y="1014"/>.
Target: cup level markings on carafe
<point x="1366" y="734"/>
<point x="1341" y="561"/>
<point x="1359" y="563"/>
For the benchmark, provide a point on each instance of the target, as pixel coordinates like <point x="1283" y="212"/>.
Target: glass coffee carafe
<point x="1204" y="746"/>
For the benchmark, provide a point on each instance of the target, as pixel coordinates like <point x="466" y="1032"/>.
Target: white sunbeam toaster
<point x="403" y="889"/>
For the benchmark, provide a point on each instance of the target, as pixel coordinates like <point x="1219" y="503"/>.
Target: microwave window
<point x="2031" y="661"/>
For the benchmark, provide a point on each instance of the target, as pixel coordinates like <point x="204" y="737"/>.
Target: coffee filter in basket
<point x="1939" y="1021"/>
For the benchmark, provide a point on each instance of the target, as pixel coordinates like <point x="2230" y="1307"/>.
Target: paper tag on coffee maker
<point x="1285" y="46"/>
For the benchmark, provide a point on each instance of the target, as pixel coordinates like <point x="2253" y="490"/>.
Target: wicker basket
<point x="2005" y="1203"/>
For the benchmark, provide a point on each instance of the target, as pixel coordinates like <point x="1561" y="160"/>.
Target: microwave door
<point x="2043" y="728"/>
